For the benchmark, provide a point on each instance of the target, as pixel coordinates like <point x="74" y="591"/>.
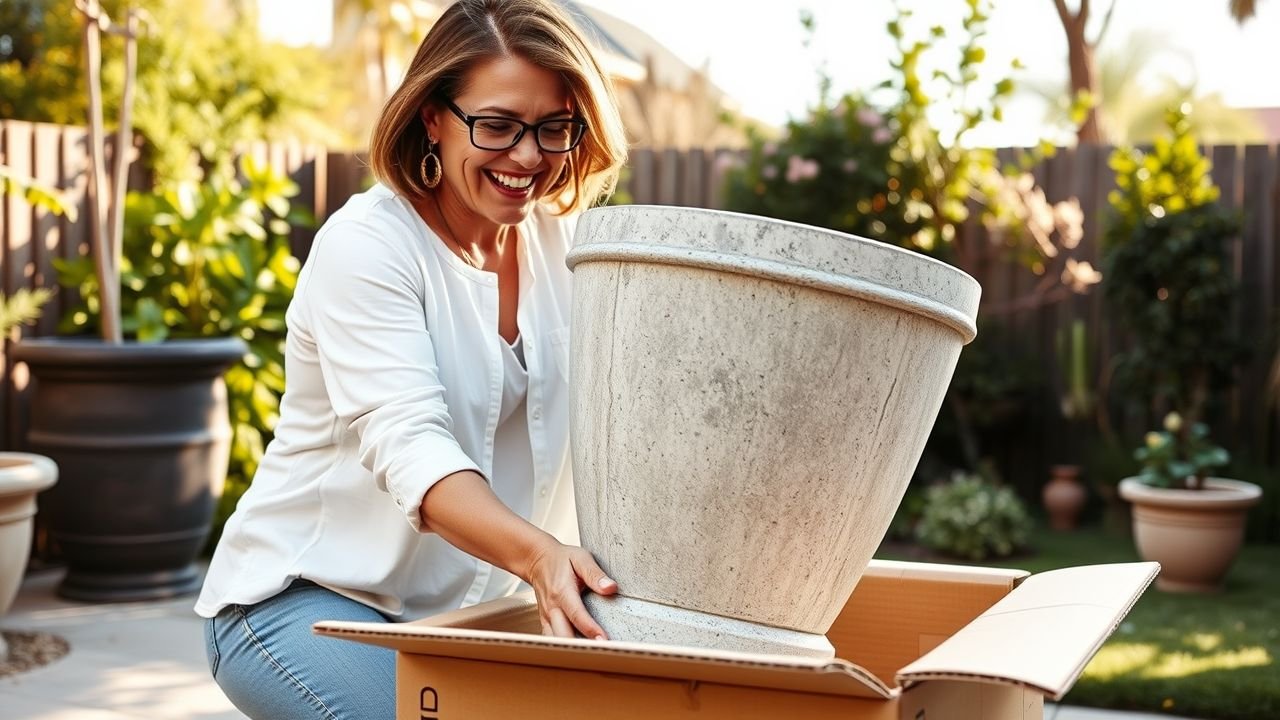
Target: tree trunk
<point x="1084" y="76"/>
<point x="1083" y="72"/>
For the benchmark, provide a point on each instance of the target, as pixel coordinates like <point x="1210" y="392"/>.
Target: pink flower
<point x="799" y="168"/>
<point x="869" y="117"/>
<point x="769" y="172"/>
<point x="727" y="161"/>
<point x="850" y="166"/>
<point x="770" y="149"/>
<point x="881" y="135"/>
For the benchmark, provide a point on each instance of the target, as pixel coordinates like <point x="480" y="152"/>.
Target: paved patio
<point x="135" y="661"/>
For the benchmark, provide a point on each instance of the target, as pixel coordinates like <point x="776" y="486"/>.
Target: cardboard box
<point x="922" y="642"/>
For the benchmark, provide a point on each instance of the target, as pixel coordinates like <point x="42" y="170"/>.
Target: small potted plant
<point x="1183" y="518"/>
<point x="1171" y="287"/>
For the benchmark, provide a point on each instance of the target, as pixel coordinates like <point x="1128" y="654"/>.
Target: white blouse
<point x="395" y="378"/>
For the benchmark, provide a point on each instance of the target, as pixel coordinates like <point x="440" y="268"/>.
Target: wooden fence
<point x="1247" y="176"/>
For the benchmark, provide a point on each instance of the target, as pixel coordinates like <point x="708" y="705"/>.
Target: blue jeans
<point x="270" y="665"/>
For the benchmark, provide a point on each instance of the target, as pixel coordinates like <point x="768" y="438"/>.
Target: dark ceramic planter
<point x="141" y="436"/>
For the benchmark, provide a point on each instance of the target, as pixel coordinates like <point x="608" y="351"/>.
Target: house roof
<point x="667" y="69"/>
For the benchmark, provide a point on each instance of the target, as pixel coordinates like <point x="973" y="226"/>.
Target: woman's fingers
<point x="559" y="624"/>
<point x="583" y="621"/>
<point x="592" y="576"/>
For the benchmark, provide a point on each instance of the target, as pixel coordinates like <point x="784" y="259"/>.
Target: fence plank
<point x="669" y="188"/>
<point x="47" y="241"/>
<point x="1257" y="281"/>
<point x="18" y="262"/>
<point x="694" y="179"/>
<point x="643" y="172"/>
<point x="1227" y="164"/>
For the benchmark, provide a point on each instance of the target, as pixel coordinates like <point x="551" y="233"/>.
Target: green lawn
<point x="1206" y="656"/>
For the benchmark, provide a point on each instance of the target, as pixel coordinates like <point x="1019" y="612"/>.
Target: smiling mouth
<point x="511" y="185"/>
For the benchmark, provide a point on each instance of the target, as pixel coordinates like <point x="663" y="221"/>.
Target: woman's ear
<point x="429" y="116"/>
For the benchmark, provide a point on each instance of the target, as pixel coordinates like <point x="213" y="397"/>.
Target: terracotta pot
<point x="750" y="399"/>
<point x="1063" y="496"/>
<point x="22" y="476"/>
<point x="1195" y="535"/>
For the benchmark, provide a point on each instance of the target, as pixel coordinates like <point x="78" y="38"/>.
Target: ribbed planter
<point x="1195" y="535"/>
<point x="750" y="399"/>
<point x="141" y="436"/>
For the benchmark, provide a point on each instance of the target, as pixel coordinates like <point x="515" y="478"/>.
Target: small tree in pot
<point x="1170" y="284"/>
<point x="139" y="431"/>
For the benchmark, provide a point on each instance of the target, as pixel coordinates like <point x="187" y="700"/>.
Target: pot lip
<point x="1222" y="493"/>
<point x="26" y="472"/>
<point x="80" y="350"/>
<point x="777" y="249"/>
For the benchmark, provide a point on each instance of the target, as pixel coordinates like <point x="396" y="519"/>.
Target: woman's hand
<point x="558" y="573"/>
<point x="463" y="510"/>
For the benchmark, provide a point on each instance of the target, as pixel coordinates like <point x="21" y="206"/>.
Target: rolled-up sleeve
<point x="364" y="302"/>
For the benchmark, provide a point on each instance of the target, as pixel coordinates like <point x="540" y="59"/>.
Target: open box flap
<point x="466" y="634"/>
<point x="1043" y="633"/>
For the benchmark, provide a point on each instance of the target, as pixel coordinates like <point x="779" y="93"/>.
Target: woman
<point x="423" y="434"/>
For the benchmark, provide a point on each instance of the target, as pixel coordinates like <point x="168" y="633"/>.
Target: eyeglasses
<point x="495" y="132"/>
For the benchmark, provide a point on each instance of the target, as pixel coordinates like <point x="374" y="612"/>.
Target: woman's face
<point x="501" y="186"/>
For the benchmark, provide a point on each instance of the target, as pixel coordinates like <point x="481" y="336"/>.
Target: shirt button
<point x="537" y="414"/>
<point x="543" y="492"/>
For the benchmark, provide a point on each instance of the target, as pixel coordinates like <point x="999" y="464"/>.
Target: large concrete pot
<point x="1195" y="535"/>
<point x="750" y="398"/>
<point x="22" y="476"/>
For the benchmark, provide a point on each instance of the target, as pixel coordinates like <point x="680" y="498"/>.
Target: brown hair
<point x="473" y="31"/>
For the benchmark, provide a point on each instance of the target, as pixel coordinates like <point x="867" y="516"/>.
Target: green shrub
<point x="971" y="518"/>
<point x="1169" y="279"/>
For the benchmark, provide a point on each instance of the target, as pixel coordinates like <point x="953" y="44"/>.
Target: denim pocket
<point x="211" y="646"/>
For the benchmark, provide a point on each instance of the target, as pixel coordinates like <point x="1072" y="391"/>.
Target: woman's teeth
<point x="511" y="181"/>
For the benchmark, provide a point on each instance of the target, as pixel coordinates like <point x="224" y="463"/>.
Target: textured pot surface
<point x="1195" y="535"/>
<point x="750" y="399"/>
<point x="141" y="435"/>
<point x="22" y="476"/>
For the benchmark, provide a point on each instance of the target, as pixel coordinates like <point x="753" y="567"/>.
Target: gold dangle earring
<point x="430" y="170"/>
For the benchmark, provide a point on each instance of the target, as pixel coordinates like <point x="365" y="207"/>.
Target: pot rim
<point x="783" y="251"/>
<point x="82" y="351"/>
<point x="26" y="472"/>
<point x="1218" y="493"/>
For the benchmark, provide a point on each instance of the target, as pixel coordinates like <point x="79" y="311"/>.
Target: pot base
<point x="129" y="586"/>
<point x="632" y="620"/>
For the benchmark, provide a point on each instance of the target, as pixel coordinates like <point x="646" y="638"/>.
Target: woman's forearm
<point x="462" y="509"/>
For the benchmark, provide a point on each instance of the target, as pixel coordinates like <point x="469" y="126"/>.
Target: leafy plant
<point x="210" y="260"/>
<point x="1176" y="458"/>
<point x="1170" y="282"/>
<point x="21" y="308"/>
<point x="200" y="91"/>
<point x="972" y="518"/>
<point x="35" y="193"/>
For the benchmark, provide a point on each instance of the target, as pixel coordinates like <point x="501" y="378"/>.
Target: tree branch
<point x="1106" y="23"/>
<point x="1063" y="13"/>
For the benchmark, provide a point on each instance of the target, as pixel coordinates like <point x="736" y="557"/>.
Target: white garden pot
<point x="750" y="399"/>
<point x="22" y="475"/>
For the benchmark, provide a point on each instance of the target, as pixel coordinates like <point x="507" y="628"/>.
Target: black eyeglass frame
<point x="471" y="120"/>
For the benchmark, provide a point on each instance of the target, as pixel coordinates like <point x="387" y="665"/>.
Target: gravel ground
<point x="28" y="651"/>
